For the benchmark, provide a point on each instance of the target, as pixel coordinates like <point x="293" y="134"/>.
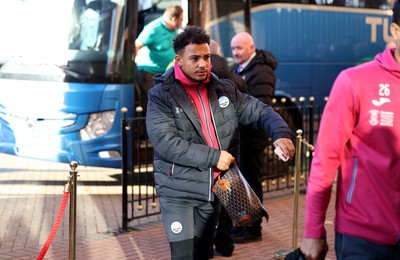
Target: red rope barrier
<point x="55" y="227"/>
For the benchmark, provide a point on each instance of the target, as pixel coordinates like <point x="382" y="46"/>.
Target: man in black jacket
<point x="192" y="122"/>
<point x="257" y="68"/>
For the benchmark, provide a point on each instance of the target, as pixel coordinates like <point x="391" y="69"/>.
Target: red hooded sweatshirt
<point x="359" y="140"/>
<point x="198" y="93"/>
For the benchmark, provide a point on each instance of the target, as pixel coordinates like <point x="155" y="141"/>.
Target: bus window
<point x="91" y="28"/>
<point x="375" y="4"/>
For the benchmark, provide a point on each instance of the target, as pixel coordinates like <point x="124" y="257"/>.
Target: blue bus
<point x="65" y="74"/>
<point x="66" y="67"/>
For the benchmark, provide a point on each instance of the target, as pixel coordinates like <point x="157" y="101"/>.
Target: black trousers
<point x="190" y="226"/>
<point x="223" y="239"/>
<point x="251" y="164"/>
<point x="350" y="247"/>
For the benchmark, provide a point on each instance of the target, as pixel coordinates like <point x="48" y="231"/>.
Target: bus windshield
<point x="60" y="40"/>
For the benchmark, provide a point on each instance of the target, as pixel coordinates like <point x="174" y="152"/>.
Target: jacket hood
<point x="387" y="61"/>
<point x="219" y="66"/>
<point x="180" y="75"/>
<point x="168" y="78"/>
<point x="163" y="77"/>
<point x="264" y="57"/>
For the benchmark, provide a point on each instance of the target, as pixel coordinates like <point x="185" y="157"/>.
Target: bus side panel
<point x="43" y="119"/>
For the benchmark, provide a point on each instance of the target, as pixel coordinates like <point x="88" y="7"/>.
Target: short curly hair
<point x="191" y="35"/>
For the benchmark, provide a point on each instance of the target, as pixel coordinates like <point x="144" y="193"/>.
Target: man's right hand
<point x="225" y="161"/>
<point x="314" y="248"/>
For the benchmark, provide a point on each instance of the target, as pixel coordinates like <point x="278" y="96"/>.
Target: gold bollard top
<point x="139" y="109"/>
<point x="124" y="110"/>
<point x="73" y="165"/>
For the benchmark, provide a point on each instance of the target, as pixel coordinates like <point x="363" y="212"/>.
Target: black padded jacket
<point x="183" y="163"/>
<point x="260" y="76"/>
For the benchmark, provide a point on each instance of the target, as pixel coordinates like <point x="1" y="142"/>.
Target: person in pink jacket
<point x="359" y="142"/>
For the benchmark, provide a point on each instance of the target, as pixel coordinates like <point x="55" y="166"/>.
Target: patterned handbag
<point x="238" y="198"/>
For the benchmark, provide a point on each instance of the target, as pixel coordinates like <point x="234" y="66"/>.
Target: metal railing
<point x="281" y="175"/>
<point x="139" y="198"/>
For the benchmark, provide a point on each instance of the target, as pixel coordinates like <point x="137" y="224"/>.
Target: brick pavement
<point x="30" y="196"/>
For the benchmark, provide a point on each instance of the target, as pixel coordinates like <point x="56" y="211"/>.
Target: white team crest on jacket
<point x="382" y="118"/>
<point x="374" y="117"/>
<point x="223" y="101"/>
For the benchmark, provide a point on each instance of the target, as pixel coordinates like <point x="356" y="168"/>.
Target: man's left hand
<point x="287" y="147"/>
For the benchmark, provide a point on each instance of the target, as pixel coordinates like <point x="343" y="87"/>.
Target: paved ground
<point x="31" y="192"/>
